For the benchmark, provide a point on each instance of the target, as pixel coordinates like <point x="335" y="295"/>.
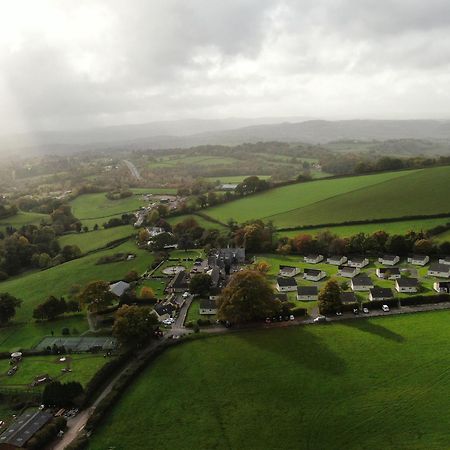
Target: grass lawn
<point x="23" y="218"/>
<point x="400" y="227"/>
<point x="158" y="287"/>
<point x="379" y="383"/>
<point x="93" y="240"/>
<point x="194" y="313"/>
<point x="26" y="335"/>
<point x="83" y="368"/>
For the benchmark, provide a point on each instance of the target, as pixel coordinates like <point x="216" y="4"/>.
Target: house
<point x="307" y="293"/>
<point x="281" y="296"/>
<point x="389" y="273"/>
<point x="419" y="260"/>
<point x="389" y="260"/>
<point x="23" y="428"/>
<point x="286" y="284"/>
<point x="442" y="287"/>
<point x="179" y="283"/>
<point x="445" y="260"/>
<point x="439" y="270"/>
<point x="200" y="266"/>
<point x="361" y="283"/>
<point x="348" y="297"/>
<point x="357" y="261"/>
<point x="228" y="187"/>
<point x="380" y="293"/>
<point x="288" y="271"/>
<point x="208" y="307"/>
<point x="337" y="260"/>
<point x="348" y="272"/>
<point x="164" y="311"/>
<point x="408" y="285"/>
<point x="119" y="288"/>
<point x="155" y="231"/>
<point x="313" y="259"/>
<point x="214" y="273"/>
<point x="228" y="260"/>
<point x="314" y="274"/>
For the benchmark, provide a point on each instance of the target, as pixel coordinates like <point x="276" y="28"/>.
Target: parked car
<point x="338" y="313"/>
<point x="186" y="294"/>
<point x="355" y="311"/>
<point x="366" y="310"/>
<point x="320" y="319"/>
<point x="268" y="320"/>
<point x="291" y="317"/>
<point x="385" y="308"/>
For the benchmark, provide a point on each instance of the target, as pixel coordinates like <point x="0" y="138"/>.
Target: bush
<point x="65" y="332"/>
<point x="189" y="324"/>
<point x="425" y="299"/>
<point x="203" y="322"/>
<point x="299" y="312"/>
<point x="3" y="276"/>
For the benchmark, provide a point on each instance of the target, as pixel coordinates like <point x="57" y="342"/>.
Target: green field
<point x="96" y="239"/>
<point x="23" y="218"/>
<point x="83" y="368"/>
<point x="202" y="160"/>
<point x="400" y="227"/>
<point x="443" y="237"/>
<point x="235" y="178"/>
<point x="391" y="194"/>
<point x="206" y="224"/>
<point x="378" y="383"/>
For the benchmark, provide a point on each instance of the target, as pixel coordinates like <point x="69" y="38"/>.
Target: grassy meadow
<point x="377" y="383"/>
<point x="23" y="218"/>
<point x="390" y="194"/>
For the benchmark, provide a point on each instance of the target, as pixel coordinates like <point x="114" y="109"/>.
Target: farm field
<point x="83" y="369"/>
<point x="93" y="240"/>
<point x="344" y="199"/>
<point x="206" y="224"/>
<point x="22" y="218"/>
<point x="377" y="383"/>
<point x="400" y="227"/>
<point x="202" y="160"/>
<point x="443" y="237"/>
<point x="235" y="178"/>
<point x="289" y="198"/>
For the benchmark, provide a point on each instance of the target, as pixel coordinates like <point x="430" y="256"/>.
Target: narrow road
<point x="132" y="168"/>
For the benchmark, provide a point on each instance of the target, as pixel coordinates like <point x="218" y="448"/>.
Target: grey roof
<point x="362" y="280"/>
<point x="336" y="257"/>
<point x="285" y="282"/>
<point x="119" y="288"/>
<point x="436" y="267"/>
<point x="348" y="297"/>
<point x="24" y="427"/>
<point x="347" y="269"/>
<point x="380" y="292"/>
<point x="357" y="259"/>
<point x="389" y="257"/>
<point x="208" y="304"/>
<point x="315" y="256"/>
<point x="307" y="290"/>
<point x="280" y="296"/>
<point x="179" y="281"/>
<point x="161" y="309"/>
<point x="392" y="270"/>
<point x="407" y="282"/>
<point x="287" y="267"/>
<point x="312" y="272"/>
<point x="215" y="276"/>
<point x="419" y="257"/>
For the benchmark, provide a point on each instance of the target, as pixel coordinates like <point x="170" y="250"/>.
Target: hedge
<point x="425" y="299"/>
<point x="377" y="304"/>
<point x="298" y="311"/>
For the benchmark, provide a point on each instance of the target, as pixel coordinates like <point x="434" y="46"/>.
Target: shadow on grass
<point x="300" y="346"/>
<point x="372" y="327"/>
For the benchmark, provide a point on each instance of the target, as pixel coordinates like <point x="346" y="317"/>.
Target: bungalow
<point x="119" y="288"/>
<point x="307" y="293"/>
<point x="442" y="287"/>
<point x="179" y="283"/>
<point x="439" y="270"/>
<point x="380" y="293"/>
<point x="359" y="262"/>
<point x="408" y="285"/>
<point x="389" y="273"/>
<point x="281" y="296"/>
<point x="208" y="307"/>
<point x="361" y="283"/>
<point x="164" y="311"/>
<point x="348" y="272"/>
<point x="314" y="274"/>
<point x="288" y="271"/>
<point x="337" y="260"/>
<point x="313" y="259"/>
<point x="389" y="260"/>
<point x="286" y="284"/>
<point x="348" y="297"/>
<point x="418" y="260"/>
<point x="445" y="260"/>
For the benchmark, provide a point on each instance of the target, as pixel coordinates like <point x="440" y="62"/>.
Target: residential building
<point x="348" y="272"/>
<point x="286" y="284"/>
<point x="288" y="271"/>
<point x="119" y="288"/>
<point x="164" y="311"/>
<point x="208" y="307"/>
<point x="389" y="260"/>
<point x="445" y="260"/>
<point x="179" y="283"/>
<point x="348" y="297"/>
<point x="313" y="259"/>
<point x="337" y="260"/>
<point x="389" y="273"/>
<point x="439" y="270"/>
<point x="406" y="285"/>
<point x="314" y="274"/>
<point x="380" y="293"/>
<point x="307" y="293"/>
<point x="361" y="283"/>
<point x="443" y="287"/>
<point x="358" y="261"/>
<point x="419" y="260"/>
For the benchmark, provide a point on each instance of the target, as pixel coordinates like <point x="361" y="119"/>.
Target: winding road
<point x="132" y="168"/>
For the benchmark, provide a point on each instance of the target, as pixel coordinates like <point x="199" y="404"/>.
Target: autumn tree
<point x="262" y="267"/>
<point x="147" y="293"/>
<point x="8" y="306"/>
<point x="330" y="298"/>
<point x="200" y="284"/>
<point x="248" y="296"/>
<point x="96" y="296"/>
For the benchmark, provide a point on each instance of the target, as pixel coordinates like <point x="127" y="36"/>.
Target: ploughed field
<point x="379" y="383"/>
<point x="378" y="196"/>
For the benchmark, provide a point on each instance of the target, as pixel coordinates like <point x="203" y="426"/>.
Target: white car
<point x="320" y="319"/>
<point x="185" y="294"/>
<point x="385" y="308"/>
<point x="168" y="321"/>
<point x="366" y="310"/>
<point x="291" y="317"/>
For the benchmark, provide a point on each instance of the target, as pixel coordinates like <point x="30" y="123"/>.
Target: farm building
<point x="361" y="283"/>
<point x="389" y="273"/>
<point x="348" y="297"/>
<point x="288" y="271"/>
<point x="442" y="287"/>
<point x="23" y="429"/>
<point x="408" y="285"/>
<point x="389" y="260"/>
<point x="307" y="293"/>
<point x="419" y="260"/>
<point x="337" y="260"/>
<point x="179" y="283"/>
<point x="208" y="307"/>
<point x="359" y="262"/>
<point x="314" y="274"/>
<point x="286" y="284"/>
<point x="379" y="293"/>
<point x="313" y="259"/>
<point x="119" y="288"/>
<point x="348" y="272"/>
<point x="445" y="260"/>
<point x="439" y="270"/>
<point x="164" y="311"/>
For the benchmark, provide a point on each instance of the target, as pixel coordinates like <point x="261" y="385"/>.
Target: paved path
<point x="132" y="168"/>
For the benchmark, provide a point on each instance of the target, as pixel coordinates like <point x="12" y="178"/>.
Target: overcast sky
<point x="74" y="63"/>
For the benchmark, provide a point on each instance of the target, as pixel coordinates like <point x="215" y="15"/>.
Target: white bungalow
<point x="348" y="272"/>
<point x="337" y="260"/>
<point x="443" y="287"/>
<point x="379" y="293"/>
<point x="208" y="307"/>
<point x="288" y="271"/>
<point x="314" y="274"/>
<point x="389" y="260"/>
<point x="439" y="270"/>
<point x="419" y="260"/>
<point x="445" y="260"/>
<point x="359" y="262"/>
<point x="307" y="293"/>
<point x="389" y="273"/>
<point x="406" y="285"/>
<point x="361" y="283"/>
<point x="286" y="284"/>
<point x="313" y="259"/>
